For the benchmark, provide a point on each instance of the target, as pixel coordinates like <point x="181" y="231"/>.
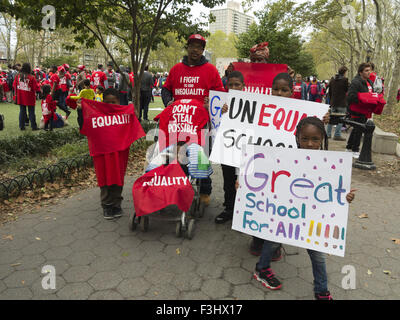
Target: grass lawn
<point x="11" y="117"/>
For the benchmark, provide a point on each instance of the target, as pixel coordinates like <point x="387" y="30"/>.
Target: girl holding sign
<point x="310" y="134"/>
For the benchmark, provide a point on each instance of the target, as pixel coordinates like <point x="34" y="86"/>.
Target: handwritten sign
<point x="294" y="196"/>
<point x="258" y="119"/>
<point x="217" y="100"/>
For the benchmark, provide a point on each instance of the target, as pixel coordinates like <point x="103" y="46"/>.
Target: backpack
<point x="314" y="89"/>
<point x="378" y="85"/>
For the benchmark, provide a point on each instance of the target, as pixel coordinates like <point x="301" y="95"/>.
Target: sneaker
<point x="205" y="198"/>
<point x="349" y="150"/>
<point x="224" y="217"/>
<point x="356" y="155"/>
<point x="277" y="255"/>
<point x="339" y="138"/>
<point x="323" y="296"/>
<point x="117" y="212"/>
<point x="267" y="279"/>
<point x="108" y="213"/>
<point x="256" y="247"/>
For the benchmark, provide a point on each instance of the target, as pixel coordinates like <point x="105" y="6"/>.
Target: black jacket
<point x="356" y="86"/>
<point x="338" y="87"/>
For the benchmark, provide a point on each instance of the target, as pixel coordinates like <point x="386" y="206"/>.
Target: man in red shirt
<point x="193" y="78"/>
<point x="99" y="78"/>
<point x="58" y="81"/>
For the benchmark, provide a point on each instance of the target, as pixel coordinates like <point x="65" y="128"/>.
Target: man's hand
<point x="224" y="108"/>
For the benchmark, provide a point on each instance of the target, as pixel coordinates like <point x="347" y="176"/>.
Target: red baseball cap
<point x="60" y="69"/>
<point x="81" y="67"/>
<point x="66" y="66"/>
<point x="197" y="37"/>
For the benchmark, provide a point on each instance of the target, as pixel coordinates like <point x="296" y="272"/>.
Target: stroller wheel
<point x="190" y="229"/>
<point x="144" y="223"/>
<point x="132" y="224"/>
<point x="178" y="229"/>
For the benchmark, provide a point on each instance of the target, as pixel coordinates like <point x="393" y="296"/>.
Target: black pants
<point x="145" y="97"/>
<point x="23" y="117"/>
<point x="355" y="136"/>
<point x="123" y="98"/>
<point x="230" y="177"/>
<point x="111" y="196"/>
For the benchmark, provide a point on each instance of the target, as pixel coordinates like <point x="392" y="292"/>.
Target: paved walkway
<point x="98" y="259"/>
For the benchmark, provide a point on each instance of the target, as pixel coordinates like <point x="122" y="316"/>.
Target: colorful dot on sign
<point x="325" y="159"/>
<point x="314" y="206"/>
<point x="275" y="197"/>
<point x="304" y="175"/>
<point x="326" y="244"/>
<point x="341" y="160"/>
<point x="316" y="242"/>
<point x="278" y="160"/>
<point x="302" y="238"/>
<point x="333" y="167"/>
<point x="308" y="240"/>
<point x="323" y="216"/>
<point x="304" y="224"/>
<point x="308" y="158"/>
<point x="238" y="199"/>
<point x="319" y="178"/>
<point x="332" y="215"/>
<point x="295" y="161"/>
<point x="270" y="231"/>
<point x="272" y="220"/>
<point x="245" y="154"/>
<point x="334" y="246"/>
<point x="315" y="167"/>
<point x="341" y="247"/>
<point x="290" y="200"/>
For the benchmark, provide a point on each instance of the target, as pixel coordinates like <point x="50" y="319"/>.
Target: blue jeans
<point x="338" y="130"/>
<point x="317" y="262"/>
<point x="23" y="116"/>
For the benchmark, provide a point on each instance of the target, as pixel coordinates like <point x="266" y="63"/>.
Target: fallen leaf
<point x="16" y="264"/>
<point x="23" y="282"/>
<point x="369" y="272"/>
<point x="387" y="272"/>
<point x="37" y="238"/>
<point x="364" y="215"/>
<point x="178" y="251"/>
<point x="395" y="240"/>
<point x="365" y="228"/>
<point x="9" y="237"/>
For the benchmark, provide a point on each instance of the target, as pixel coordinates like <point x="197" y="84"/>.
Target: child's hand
<point x="350" y="196"/>
<point x="224" y="108"/>
<point x="237" y="184"/>
<point x="326" y="118"/>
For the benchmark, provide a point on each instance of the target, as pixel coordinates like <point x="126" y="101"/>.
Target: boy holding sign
<point x="310" y="134"/>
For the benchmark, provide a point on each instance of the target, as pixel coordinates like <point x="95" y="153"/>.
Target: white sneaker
<point x="349" y="150"/>
<point x="356" y="155"/>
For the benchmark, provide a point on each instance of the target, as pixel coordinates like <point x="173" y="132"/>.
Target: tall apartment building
<point x="230" y="19"/>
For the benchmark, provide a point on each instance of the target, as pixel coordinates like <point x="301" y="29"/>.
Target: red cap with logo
<point x="197" y="37"/>
<point x="81" y="67"/>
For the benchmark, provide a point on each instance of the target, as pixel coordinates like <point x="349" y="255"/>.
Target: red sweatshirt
<point x="25" y="90"/>
<point x="193" y="82"/>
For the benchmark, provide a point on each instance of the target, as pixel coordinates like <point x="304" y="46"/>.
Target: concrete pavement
<point x="99" y="259"/>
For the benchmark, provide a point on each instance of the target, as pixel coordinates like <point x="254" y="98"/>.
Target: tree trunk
<point x="391" y="100"/>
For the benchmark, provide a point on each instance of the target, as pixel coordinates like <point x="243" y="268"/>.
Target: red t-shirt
<point x="297" y="91"/>
<point x="48" y="105"/>
<point x="63" y="82"/>
<point x="182" y="121"/>
<point x="194" y="82"/>
<point x="26" y="90"/>
<point x="98" y="78"/>
<point x="55" y="80"/>
<point x="372" y="76"/>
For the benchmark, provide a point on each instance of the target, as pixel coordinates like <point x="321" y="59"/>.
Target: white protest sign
<point x="217" y="100"/>
<point x="258" y="119"/>
<point x="294" y="196"/>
